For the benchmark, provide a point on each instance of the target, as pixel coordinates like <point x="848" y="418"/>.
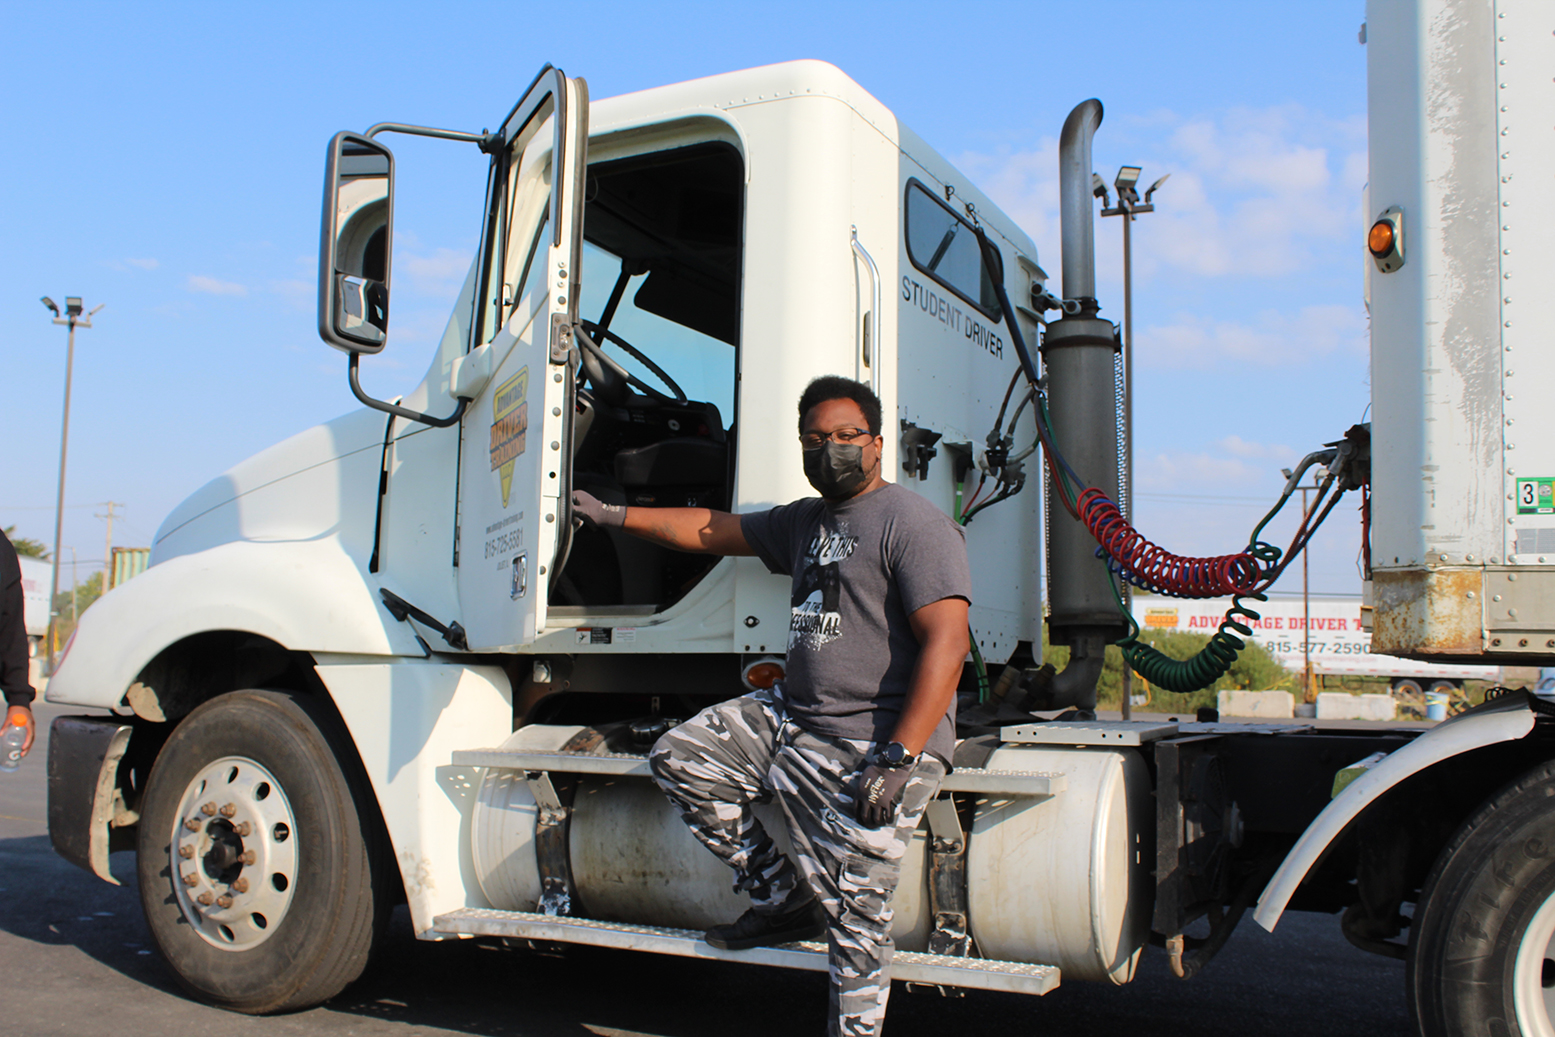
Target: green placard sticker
<point x="1536" y="496"/>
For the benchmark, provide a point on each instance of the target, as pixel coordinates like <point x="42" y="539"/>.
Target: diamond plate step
<point x="1009" y="783"/>
<point x="911" y="966"/>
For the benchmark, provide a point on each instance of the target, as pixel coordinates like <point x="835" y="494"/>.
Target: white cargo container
<point x="37" y="577"/>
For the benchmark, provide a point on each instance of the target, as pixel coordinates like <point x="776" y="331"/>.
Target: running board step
<point x="938" y="969"/>
<point x="1009" y="783"/>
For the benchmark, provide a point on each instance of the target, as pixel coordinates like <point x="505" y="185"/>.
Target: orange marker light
<point x="762" y="674"/>
<point x="1380" y="238"/>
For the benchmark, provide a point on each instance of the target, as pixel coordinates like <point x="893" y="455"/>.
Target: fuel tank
<point x="1061" y="880"/>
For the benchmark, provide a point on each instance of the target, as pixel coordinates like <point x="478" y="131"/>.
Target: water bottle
<point x="11" y="743"/>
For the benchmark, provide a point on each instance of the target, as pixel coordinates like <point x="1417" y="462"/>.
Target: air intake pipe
<point x="1078" y="352"/>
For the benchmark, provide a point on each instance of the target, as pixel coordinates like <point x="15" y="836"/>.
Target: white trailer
<point x="378" y="662"/>
<point x="37" y="576"/>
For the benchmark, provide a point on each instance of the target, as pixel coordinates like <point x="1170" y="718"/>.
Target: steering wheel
<point x="610" y="379"/>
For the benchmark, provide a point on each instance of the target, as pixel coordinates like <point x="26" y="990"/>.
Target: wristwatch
<point x="896" y="755"/>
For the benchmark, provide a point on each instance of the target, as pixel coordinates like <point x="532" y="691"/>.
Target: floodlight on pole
<point x="72" y="319"/>
<point x="1129" y="207"/>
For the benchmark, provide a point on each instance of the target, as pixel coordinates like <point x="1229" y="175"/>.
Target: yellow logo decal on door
<point x="510" y="422"/>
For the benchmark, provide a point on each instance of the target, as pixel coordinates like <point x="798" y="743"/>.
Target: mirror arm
<point x="389" y="408"/>
<point x="488" y="142"/>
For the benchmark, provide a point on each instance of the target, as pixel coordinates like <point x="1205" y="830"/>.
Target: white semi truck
<point x="378" y="663"/>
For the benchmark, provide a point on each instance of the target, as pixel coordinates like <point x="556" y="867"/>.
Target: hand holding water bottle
<point x="16" y="738"/>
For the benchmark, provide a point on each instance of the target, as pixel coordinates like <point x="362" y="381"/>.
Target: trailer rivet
<point x="1550" y="643"/>
<point x="1523" y="643"/>
<point x="1493" y="597"/>
<point x="555" y="445"/>
<point x="556" y="411"/>
<point x="1496" y="643"/>
<point x="550" y="518"/>
<point x="752" y="621"/>
<point x="558" y="376"/>
<point x="1442" y="557"/>
<point x="1470" y="594"/>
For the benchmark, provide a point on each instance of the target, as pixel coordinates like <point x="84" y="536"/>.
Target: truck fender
<point x="309" y="595"/>
<point x="1503" y="720"/>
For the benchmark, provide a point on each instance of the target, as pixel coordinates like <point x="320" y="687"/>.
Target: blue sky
<point x="166" y="163"/>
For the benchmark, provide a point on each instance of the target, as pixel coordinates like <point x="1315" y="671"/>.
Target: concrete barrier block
<point x="1340" y="705"/>
<point x="1266" y="705"/>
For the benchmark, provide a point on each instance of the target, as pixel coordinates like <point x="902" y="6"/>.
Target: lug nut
<point x="193" y="824"/>
<point x="240" y="885"/>
<point x="186" y="851"/>
<point x="191" y="879"/>
<point x="223" y="901"/>
<point x="248" y="857"/>
<point x="208" y="809"/>
<point x="205" y="899"/>
<point x="242" y="828"/>
<point x="228" y="809"/>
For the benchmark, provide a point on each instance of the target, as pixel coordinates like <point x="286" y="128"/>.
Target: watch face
<point x="895" y="753"/>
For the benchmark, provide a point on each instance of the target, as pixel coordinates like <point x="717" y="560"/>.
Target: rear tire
<point x="1482" y="947"/>
<point x="261" y="858"/>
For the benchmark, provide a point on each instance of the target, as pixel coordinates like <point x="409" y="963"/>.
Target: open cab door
<point x="515" y="520"/>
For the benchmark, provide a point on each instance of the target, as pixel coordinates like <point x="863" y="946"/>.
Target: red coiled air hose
<point x="1154" y="568"/>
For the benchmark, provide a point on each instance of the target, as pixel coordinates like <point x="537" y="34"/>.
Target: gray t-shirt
<point x="860" y="568"/>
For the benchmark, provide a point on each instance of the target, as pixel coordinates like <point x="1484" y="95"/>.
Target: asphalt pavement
<point x="76" y="959"/>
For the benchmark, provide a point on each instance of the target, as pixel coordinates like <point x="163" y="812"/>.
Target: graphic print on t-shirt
<point x="816" y="618"/>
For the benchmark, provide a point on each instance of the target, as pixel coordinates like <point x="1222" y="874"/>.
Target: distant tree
<point x="27" y="547"/>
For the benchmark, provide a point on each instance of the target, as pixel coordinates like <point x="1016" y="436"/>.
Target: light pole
<point x="1129" y="207"/>
<point x="73" y="317"/>
<point x="1318" y="474"/>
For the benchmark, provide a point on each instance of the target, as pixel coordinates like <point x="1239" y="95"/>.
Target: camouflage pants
<point x="748" y="750"/>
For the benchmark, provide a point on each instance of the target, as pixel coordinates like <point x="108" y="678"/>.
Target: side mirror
<point x="354" y="244"/>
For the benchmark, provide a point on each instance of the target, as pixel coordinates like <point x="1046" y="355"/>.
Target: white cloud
<point x="1239" y="447"/>
<point x="212" y="286"/>
<point x="439" y="273"/>
<point x="144" y="264"/>
<point x="1176" y="471"/>
<point x="1253" y="192"/>
<point x="1275" y="339"/>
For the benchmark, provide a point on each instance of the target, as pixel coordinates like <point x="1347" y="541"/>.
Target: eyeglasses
<point x="816" y="440"/>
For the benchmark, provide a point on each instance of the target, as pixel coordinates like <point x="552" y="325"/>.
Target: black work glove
<point x="880" y="793"/>
<point x="596" y="512"/>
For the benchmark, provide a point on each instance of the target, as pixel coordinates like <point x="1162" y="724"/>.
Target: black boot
<point x="785" y="925"/>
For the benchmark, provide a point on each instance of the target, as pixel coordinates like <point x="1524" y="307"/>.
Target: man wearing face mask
<point x="854" y="742"/>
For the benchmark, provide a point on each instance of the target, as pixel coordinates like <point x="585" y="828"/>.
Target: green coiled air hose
<point x="1206" y="667"/>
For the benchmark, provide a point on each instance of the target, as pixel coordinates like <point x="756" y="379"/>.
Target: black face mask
<point x="836" y="470"/>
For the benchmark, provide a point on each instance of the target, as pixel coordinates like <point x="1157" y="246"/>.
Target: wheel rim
<point x="234" y="854"/>
<point x="1533" y="977"/>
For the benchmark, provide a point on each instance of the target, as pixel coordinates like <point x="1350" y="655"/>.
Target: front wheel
<point x="1482" y="946"/>
<point x="260" y="858"/>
